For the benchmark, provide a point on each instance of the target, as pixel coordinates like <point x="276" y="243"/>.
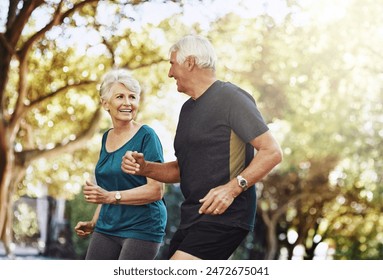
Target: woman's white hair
<point x="195" y="46"/>
<point x="118" y="76"/>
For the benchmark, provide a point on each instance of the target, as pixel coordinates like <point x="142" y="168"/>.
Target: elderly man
<point x="218" y="131"/>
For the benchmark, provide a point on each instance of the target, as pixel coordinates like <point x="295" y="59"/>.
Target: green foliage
<point x="64" y="175"/>
<point x="318" y="88"/>
<point x="79" y="210"/>
<point x="25" y="223"/>
<point x="316" y="77"/>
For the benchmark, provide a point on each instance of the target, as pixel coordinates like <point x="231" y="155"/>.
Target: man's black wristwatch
<point x="242" y="182"/>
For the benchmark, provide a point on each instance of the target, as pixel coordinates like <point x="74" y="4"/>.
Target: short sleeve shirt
<point x="212" y="147"/>
<point x="145" y="222"/>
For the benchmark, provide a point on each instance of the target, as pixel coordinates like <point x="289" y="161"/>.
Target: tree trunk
<point x="3" y="156"/>
<point x="272" y="242"/>
<point x="6" y="207"/>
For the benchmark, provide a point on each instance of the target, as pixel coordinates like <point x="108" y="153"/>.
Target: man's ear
<point x="190" y="62"/>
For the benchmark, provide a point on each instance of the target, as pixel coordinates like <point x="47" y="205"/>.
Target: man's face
<point x="178" y="72"/>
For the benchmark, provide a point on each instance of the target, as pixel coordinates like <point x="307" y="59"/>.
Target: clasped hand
<point x="133" y="163"/>
<point x="95" y="194"/>
<point x="84" y="229"/>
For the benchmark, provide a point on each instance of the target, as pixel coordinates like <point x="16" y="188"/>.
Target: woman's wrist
<point x="92" y="224"/>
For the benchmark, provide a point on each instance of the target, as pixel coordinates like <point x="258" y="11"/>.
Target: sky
<point x="209" y="10"/>
<point x="195" y="11"/>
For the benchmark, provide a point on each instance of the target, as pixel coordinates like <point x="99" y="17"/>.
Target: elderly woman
<point x="129" y="222"/>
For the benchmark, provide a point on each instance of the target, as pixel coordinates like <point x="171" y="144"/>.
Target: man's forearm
<point x="163" y="172"/>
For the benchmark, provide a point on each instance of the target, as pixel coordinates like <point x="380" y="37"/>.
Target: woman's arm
<point x="83" y="229"/>
<point x="144" y="194"/>
<point x="152" y="191"/>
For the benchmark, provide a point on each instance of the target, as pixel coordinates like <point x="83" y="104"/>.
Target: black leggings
<point x="107" y="247"/>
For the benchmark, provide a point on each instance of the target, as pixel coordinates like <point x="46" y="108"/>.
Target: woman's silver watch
<point x="117" y="196"/>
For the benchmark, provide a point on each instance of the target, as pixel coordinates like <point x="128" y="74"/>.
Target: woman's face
<point x="122" y="104"/>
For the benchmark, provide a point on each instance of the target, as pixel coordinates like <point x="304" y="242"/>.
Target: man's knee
<point x="180" y="255"/>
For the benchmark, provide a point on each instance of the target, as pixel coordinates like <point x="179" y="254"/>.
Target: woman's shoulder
<point x="147" y="130"/>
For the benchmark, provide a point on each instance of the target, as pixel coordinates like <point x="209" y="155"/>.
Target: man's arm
<point x="135" y="164"/>
<point x="268" y="156"/>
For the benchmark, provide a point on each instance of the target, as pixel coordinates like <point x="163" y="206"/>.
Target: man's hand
<point x="133" y="163"/>
<point x="217" y="200"/>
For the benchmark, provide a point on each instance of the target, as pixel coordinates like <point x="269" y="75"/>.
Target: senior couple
<point x="219" y="129"/>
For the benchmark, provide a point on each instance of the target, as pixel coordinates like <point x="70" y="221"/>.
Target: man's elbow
<point x="278" y="156"/>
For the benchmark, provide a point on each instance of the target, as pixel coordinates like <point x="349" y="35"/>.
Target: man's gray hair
<point x="195" y="46"/>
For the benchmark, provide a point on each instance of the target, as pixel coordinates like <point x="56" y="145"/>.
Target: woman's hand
<point x="97" y="195"/>
<point x="84" y="229"/>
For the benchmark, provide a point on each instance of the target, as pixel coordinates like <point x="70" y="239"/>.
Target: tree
<point x="17" y="49"/>
<point x="48" y="98"/>
<point x="308" y="78"/>
<point x="315" y="75"/>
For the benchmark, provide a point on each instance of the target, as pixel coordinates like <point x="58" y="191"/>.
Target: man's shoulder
<point x="233" y="91"/>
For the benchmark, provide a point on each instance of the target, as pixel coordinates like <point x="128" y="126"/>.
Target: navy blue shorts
<point x="207" y="241"/>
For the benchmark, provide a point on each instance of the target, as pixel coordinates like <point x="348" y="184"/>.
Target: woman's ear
<point x="105" y="105"/>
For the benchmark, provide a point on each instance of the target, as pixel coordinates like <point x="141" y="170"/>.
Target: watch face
<point x="118" y="195"/>
<point x="242" y="183"/>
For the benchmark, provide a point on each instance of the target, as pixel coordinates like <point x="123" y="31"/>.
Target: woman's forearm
<point x="150" y="192"/>
<point x="96" y="214"/>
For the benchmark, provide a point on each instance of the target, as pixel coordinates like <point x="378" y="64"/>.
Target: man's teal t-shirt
<point x="145" y="222"/>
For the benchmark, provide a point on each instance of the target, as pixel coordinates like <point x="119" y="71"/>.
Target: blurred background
<point x="315" y="68"/>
